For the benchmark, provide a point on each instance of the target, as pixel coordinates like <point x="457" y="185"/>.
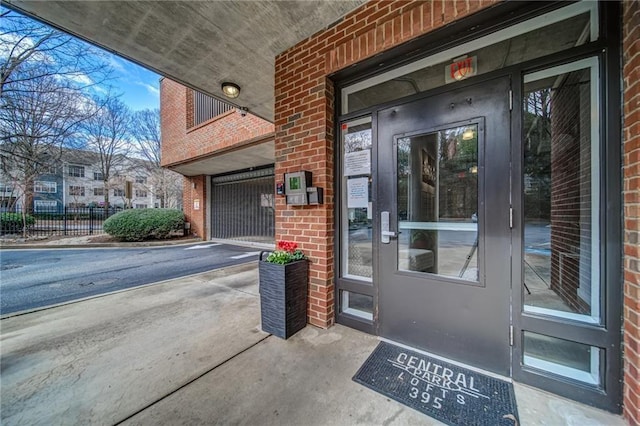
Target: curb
<point x="27" y="246"/>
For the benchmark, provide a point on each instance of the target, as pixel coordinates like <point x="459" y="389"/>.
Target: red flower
<point x="288" y="246"/>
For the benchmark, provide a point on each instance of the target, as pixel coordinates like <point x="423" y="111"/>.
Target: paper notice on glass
<point x="357" y="163"/>
<point x="358" y="193"/>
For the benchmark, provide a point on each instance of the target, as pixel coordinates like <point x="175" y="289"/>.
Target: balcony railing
<point x="206" y="107"/>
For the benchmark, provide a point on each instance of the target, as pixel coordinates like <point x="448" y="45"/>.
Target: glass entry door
<point x="444" y="229"/>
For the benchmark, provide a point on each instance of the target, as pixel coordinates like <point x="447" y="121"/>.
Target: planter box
<point x="283" y="297"/>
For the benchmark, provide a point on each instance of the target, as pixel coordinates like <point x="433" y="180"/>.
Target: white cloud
<point x="151" y="89"/>
<point x="15" y="45"/>
<point x="80" y="78"/>
<point x="117" y="64"/>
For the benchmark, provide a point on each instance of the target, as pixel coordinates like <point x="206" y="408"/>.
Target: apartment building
<point x="78" y="181"/>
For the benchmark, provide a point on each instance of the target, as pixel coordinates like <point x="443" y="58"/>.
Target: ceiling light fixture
<point x="468" y="134"/>
<point x="230" y="90"/>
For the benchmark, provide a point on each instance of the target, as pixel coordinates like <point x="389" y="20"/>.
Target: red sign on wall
<point x="460" y="69"/>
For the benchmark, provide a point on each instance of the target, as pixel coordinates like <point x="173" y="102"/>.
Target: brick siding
<point x="631" y="193"/>
<point x="194" y="188"/>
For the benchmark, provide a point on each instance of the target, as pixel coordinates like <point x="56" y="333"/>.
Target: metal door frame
<point x="611" y="187"/>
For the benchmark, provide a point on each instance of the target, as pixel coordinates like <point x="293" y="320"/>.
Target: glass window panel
<point x="561" y="254"/>
<point x="538" y="37"/>
<point x="563" y="357"/>
<point x="438" y="202"/>
<point x="357" y="241"/>
<point x="360" y="305"/>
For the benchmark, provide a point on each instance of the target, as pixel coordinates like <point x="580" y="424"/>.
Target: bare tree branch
<point x="106" y="132"/>
<point x="28" y="44"/>
<point x="164" y="184"/>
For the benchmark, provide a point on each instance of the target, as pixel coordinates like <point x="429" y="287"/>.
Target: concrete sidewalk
<point x="190" y="351"/>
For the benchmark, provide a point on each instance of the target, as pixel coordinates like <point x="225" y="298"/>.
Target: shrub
<point x="144" y="224"/>
<point x="12" y="222"/>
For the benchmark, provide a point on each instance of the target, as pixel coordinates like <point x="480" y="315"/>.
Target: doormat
<point x="446" y="392"/>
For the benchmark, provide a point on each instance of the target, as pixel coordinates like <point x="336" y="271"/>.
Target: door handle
<point x="385" y="234"/>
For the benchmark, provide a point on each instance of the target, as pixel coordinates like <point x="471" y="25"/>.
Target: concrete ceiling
<point x="198" y="43"/>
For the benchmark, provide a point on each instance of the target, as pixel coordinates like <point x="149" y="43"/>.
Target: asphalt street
<point x="36" y="278"/>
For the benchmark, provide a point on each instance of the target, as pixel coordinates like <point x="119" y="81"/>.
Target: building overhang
<point x="245" y="157"/>
<point x="200" y="44"/>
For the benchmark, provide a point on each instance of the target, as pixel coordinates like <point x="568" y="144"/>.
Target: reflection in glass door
<point x="561" y="261"/>
<point x="438" y="202"/>
<point x="563" y="332"/>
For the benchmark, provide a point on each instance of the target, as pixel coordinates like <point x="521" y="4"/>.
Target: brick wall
<point x="183" y="143"/>
<point x="173" y="119"/>
<point x="304" y="112"/>
<point x="631" y="188"/>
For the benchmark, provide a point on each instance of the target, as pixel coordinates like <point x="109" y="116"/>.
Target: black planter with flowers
<point x="283" y="290"/>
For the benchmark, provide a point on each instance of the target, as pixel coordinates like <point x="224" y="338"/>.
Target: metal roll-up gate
<point x="243" y="206"/>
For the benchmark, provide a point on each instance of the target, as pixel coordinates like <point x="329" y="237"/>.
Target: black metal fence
<point x="65" y="221"/>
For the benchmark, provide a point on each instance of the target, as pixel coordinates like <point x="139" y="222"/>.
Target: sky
<point x="140" y="87"/>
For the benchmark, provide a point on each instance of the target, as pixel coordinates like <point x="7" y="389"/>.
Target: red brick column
<point x="304" y="112"/>
<point x="631" y="192"/>
<point x="195" y="195"/>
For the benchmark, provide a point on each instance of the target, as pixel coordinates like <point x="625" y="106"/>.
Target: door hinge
<point x="510" y="335"/>
<point x="510" y="100"/>
<point x="510" y="217"/>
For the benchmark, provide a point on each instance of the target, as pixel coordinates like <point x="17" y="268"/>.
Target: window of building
<point x="98" y="176"/>
<point x="98" y="191"/>
<point x="45" y="187"/>
<point x="563" y="29"/>
<point x="76" y="190"/>
<point x="6" y="188"/>
<point x="48" y="170"/>
<point x="118" y="192"/>
<point x="359" y="305"/>
<point x="140" y="193"/>
<point x="140" y="206"/>
<point x="141" y="179"/>
<point x="356" y="219"/>
<point x="45" y="205"/>
<point x="76" y="171"/>
<point x="561" y="128"/>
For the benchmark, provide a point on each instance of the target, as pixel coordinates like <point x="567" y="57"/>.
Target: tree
<point x="106" y="132"/>
<point x="46" y="77"/>
<point x="164" y="184"/>
<point x="41" y="120"/>
<point x="46" y="52"/>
